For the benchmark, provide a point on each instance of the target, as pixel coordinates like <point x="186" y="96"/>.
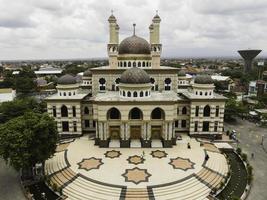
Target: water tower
<point x="248" y="56"/>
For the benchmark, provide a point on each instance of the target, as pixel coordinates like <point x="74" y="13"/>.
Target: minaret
<point x="113" y="41"/>
<point x="151" y="33"/>
<point x="155" y="41"/>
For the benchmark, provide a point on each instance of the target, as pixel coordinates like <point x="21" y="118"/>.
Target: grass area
<point x="237" y="184"/>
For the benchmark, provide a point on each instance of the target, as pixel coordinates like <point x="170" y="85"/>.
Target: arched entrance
<point x="135" y="132"/>
<point x="114" y="117"/>
<point x="135" y="117"/>
<point x="114" y="132"/>
<point x="157" y="117"/>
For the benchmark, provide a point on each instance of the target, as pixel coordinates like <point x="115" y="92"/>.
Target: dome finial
<point x="134" y="28"/>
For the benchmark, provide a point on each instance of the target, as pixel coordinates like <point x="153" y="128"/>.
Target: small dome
<point x="112" y="18"/>
<point x="156" y="18"/>
<point x="134" y="45"/>
<point x="203" y="79"/>
<point x="66" y="80"/>
<point x="87" y="73"/>
<point x="135" y="76"/>
<point x="181" y="73"/>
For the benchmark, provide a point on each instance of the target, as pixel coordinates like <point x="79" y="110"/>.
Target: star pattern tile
<point x="159" y="154"/>
<point x="112" y="154"/>
<point x="181" y="163"/>
<point x="90" y="163"/>
<point x="136" y="159"/>
<point x="136" y="175"/>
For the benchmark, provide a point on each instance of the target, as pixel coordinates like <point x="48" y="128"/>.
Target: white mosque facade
<point x="135" y="99"/>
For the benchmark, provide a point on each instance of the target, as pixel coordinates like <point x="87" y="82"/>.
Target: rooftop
<point x="155" y="96"/>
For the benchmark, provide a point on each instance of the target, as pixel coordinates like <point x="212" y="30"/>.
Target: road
<point x="250" y="136"/>
<point x="9" y="183"/>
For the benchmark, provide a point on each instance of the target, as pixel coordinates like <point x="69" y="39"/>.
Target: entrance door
<point x="135" y="132"/>
<point x="114" y="132"/>
<point x="155" y="132"/>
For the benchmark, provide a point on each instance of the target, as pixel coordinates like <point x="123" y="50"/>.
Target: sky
<point x="73" y="29"/>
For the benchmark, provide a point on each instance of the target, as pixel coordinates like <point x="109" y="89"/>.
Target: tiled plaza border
<point x="93" y="158"/>
<point x="172" y="159"/>
<point x="142" y="160"/>
<point x="127" y="178"/>
<point x="107" y="152"/>
<point x="152" y="154"/>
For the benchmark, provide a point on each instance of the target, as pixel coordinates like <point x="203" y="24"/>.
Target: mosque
<point x="134" y="101"/>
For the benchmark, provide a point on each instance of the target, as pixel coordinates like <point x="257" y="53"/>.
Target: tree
<point x="28" y="139"/>
<point x="25" y="81"/>
<point x="12" y="109"/>
<point x="8" y="81"/>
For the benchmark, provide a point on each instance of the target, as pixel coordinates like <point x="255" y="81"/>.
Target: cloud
<point x="33" y="29"/>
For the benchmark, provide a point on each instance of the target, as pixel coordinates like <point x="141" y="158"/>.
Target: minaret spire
<point x="134" y="28"/>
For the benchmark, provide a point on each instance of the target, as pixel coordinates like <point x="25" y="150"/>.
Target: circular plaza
<point x="82" y="170"/>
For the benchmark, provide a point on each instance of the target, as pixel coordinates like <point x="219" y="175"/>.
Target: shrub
<point x="235" y="198"/>
<point x="55" y="187"/>
<point x="239" y="150"/>
<point x="221" y="185"/>
<point x="48" y="181"/>
<point x="244" y="157"/>
<point x="249" y="179"/>
<point x="249" y="168"/>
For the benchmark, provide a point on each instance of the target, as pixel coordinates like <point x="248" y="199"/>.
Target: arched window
<point x="135" y="94"/>
<point x="184" y="110"/>
<point x="167" y="84"/>
<point x="135" y="113"/>
<point x="86" y="110"/>
<point x="139" y="64"/>
<point x="64" y="94"/>
<point x="125" y="64"/>
<point x="69" y="93"/>
<point x="217" y="111"/>
<point x="206" y="112"/>
<point x="206" y="93"/>
<point x="123" y="93"/>
<point x="64" y="111"/>
<point x="102" y="83"/>
<point x="113" y="113"/>
<point x="141" y="94"/>
<point x="144" y="64"/>
<point x="200" y="93"/>
<point x="147" y="64"/>
<point x="157" y="113"/>
<point x="146" y="93"/>
<point x="129" y="64"/>
<point x="129" y="94"/>
<point x="134" y="64"/>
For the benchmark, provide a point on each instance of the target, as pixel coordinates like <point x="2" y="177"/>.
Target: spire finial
<point x="112" y="11"/>
<point x="157" y="12"/>
<point x="134" y="28"/>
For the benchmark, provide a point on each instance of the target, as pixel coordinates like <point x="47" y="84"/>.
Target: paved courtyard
<point x="137" y="173"/>
<point x="250" y="137"/>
